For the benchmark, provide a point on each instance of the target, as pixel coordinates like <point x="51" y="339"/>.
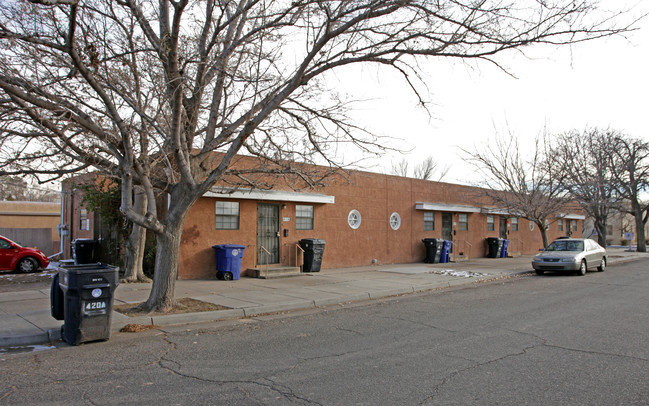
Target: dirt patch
<point x="137" y="328"/>
<point x="185" y="305"/>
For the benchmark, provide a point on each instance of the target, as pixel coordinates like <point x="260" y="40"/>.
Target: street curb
<point x="119" y="320"/>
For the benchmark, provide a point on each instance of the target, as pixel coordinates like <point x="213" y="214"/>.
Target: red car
<point x="13" y="256"/>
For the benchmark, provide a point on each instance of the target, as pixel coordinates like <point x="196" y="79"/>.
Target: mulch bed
<point x="184" y="305"/>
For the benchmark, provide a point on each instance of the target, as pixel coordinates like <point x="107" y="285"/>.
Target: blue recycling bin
<point x="503" y="251"/>
<point x="228" y="261"/>
<point x="445" y="255"/>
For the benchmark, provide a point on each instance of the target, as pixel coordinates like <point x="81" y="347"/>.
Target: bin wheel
<point x="219" y="276"/>
<point x="227" y="276"/>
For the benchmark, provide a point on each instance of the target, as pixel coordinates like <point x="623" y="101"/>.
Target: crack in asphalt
<point x="610" y="354"/>
<point x="13" y="389"/>
<point x="523" y="351"/>
<point x="350" y="331"/>
<point x="546" y="344"/>
<point x="285" y="391"/>
<point x="453" y="374"/>
<point x="419" y="323"/>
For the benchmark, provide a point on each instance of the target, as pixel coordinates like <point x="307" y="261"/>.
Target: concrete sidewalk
<point x="25" y="316"/>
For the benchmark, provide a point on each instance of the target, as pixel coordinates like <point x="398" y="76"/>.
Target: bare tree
<point x="630" y="160"/>
<point x="428" y="168"/>
<point x="17" y="188"/>
<point x="584" y="158"/>
<point x="148" y="90"/>
<point x="401" y="168"/>
<point x="424" y="170"/>
<point x="528" y="187"/>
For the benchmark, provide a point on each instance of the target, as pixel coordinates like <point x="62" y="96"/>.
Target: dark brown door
<point x="267" y="233"/>
<point x="503" y="227"/>
<point x="447" y="226"/>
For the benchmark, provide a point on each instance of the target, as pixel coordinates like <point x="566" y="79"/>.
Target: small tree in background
<point x="630" y="161"/>
<point x="527" y="186"/>
<point x="425" y="170"/>
<point x="588" y="172"/>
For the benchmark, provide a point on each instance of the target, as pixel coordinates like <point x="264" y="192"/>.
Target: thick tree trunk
<point x="601" y="233"/>
<point x="544" y="234"/>
<point x="161" y="298"/>
<point x="639" y="227"/>
<point x="135" y="244"/>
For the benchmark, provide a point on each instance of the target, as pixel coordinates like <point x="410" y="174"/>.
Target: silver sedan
<point x="571" y="254"/>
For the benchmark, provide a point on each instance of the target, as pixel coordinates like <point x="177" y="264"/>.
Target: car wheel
<point x="582" y="268"/>
<point x="602" y="265"/>
<point x="27" y="265"/>
<point x="539" y="272"/>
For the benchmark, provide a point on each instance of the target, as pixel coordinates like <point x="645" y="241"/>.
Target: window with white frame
<point x="303" y="217"/>
<point x="514" y="223"/>
<point x="227" y="215"/>
<point x="429" y="221"/>
<point x="463" y="221"/>
<point x="560" y="224"/>
<point x="490" y="223"/>
<point x="573" y="225"/>
<point x="354" y="219"/>
<point x="395" y="221"/>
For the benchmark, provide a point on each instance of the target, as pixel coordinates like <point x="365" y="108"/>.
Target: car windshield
<point x="566" y="246"/>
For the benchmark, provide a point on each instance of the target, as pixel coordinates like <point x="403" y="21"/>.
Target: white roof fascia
<point x="571" y="216"/>
<point x="446" y="207"/>
<point x="501" y="212"/>
<point x="270" y="195"/>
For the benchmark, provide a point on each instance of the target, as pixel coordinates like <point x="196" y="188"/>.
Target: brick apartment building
<point x="363" y="217"/>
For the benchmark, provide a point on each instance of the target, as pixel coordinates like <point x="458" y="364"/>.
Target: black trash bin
<point x="495" y="246"/>
<point x="56" y="299"/>
<point x="433" y="250"/>
<point x="313" y="251"/>
<point x="83" y="251"/>
<point x="87" y="301"/>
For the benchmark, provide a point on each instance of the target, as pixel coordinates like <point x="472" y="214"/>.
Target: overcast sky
<point x="603" y="83"/>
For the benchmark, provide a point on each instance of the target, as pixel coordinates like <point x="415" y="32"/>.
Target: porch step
<point x="273" y="272"/>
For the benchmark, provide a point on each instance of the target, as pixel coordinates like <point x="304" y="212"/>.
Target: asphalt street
<point x="555" y="339"/>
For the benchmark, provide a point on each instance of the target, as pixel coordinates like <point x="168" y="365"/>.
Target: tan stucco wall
<point x="23" y="215"/>
<point x="30" y="215"/>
